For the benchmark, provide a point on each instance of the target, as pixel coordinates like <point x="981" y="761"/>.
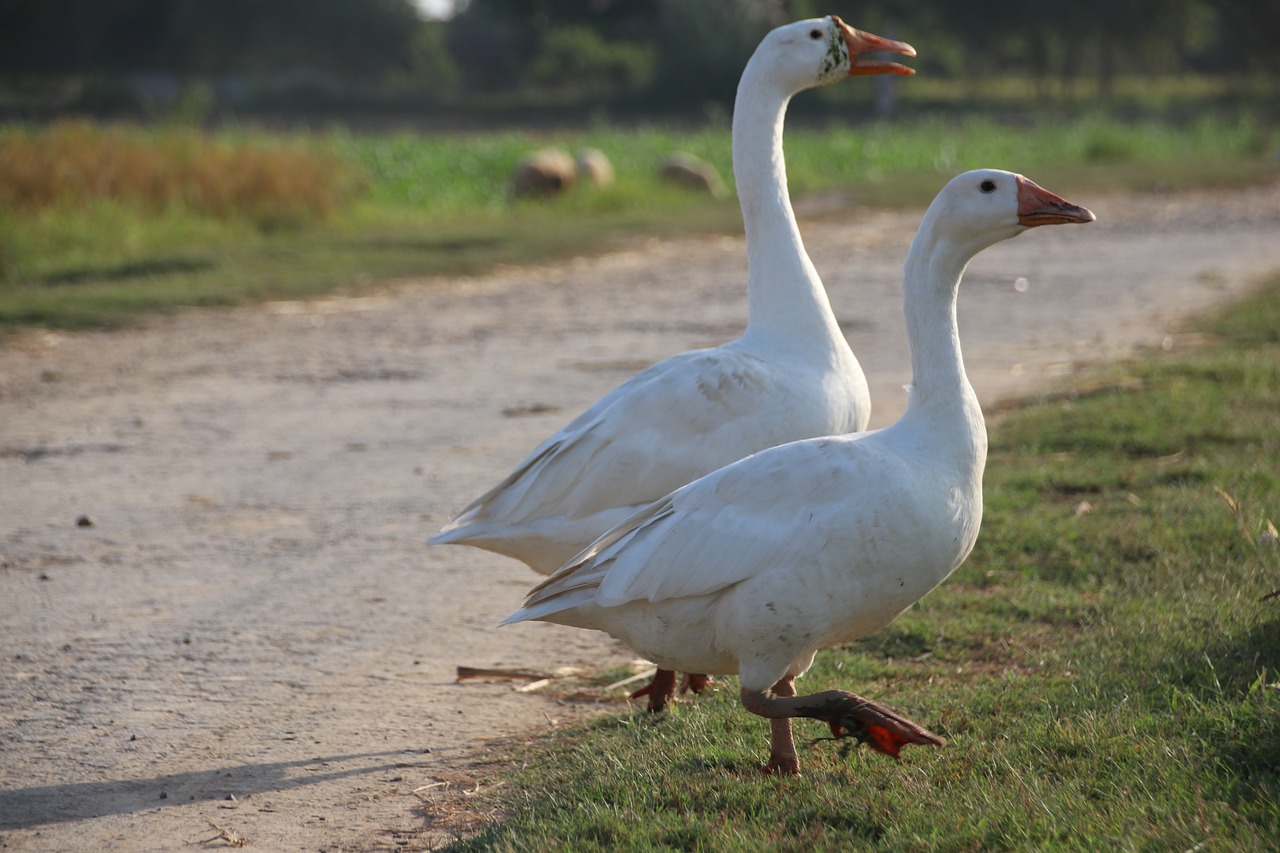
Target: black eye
<point x="987" y="186"/>
<point x="815" y="34"/>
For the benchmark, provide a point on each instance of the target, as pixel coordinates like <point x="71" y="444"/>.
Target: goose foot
<point x="847" y="714"/>
<point x="881" y="729"/>
<point x="661" y="689"/>
<point x="781" y="766"/>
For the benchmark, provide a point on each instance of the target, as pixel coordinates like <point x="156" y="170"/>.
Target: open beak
<point x="859" y="43"/>
<point x="1038" y="206"/>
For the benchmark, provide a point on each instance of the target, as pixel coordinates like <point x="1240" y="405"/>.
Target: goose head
<point x="980" y="208"/>
<point x="819" y="51"/>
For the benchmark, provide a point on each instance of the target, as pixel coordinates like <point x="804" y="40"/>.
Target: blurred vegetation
<point x="268" y="181"/>
<point x="558" y="60"/>
<point x="176" y="195"/>
<point x="100" y="222"/>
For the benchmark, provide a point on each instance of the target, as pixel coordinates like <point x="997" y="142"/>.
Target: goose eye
<point x="987" y="186"/>
<point x="815" y="34"/>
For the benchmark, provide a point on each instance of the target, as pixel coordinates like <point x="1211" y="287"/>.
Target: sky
<point x="435" y="9"/>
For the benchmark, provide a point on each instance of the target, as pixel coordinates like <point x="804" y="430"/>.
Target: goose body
<point x="790" y="375"/>
<point x="753" y="568"/>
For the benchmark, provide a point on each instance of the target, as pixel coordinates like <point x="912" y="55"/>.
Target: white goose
<point x="753" y="568"/>
<point x="791" y="375"/>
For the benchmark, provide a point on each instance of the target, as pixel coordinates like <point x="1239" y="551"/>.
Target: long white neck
<point x="941" y="399"/>
<point x="786" y="300"/>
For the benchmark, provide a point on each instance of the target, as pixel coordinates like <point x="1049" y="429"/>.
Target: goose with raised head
<point x="791" y="374"/>
<point x="753" y="568"/>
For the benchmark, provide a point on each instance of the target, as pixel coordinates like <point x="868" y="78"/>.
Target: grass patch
<point x="1105" y="665"/>
<point x="138" y="269"/>
<point x="100" y="224"/>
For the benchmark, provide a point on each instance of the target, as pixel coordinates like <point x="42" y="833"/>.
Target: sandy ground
<point x="253" y="634"/>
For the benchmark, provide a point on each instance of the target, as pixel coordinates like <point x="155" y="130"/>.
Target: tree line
<point x="676" y="51"/>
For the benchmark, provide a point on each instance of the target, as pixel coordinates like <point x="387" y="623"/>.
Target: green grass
<point x="97" y="252"/>
<point x="463" y="174"/>
<point x="1104" y="666"/>
<point x="133" y="269"/>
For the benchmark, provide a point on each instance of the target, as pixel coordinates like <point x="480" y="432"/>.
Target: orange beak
<point x="1038" y="206"/>
<point x="859" y="43"/>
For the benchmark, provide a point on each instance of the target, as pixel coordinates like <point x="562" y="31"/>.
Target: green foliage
<point x="449" y="174"/>
<point x="430" y="63"/>
<point x="578" y="59"/>
<point x="704" y="47"/>
<point x="1108" y="675"/>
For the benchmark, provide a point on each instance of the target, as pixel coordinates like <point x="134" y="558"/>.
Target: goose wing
<point x="675" y="420"/>
<point x="774" y="511"/>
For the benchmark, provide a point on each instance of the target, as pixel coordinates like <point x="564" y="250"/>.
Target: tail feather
<point x="546" y="610"/>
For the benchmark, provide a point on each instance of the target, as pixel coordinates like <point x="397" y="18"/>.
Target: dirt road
<point x="252" y="633"/>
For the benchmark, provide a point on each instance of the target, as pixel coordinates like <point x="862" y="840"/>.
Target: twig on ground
<point x="229" y="837"/>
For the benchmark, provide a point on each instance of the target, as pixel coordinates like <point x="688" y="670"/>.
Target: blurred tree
<point x="1125" y="35"/>
<point x="495" y="41"/>
<point x="364" y="38"/>
<point x="1063" y="41"/>
<point x="613" y="18"/>
<point x="705" y="45"/>
<point x="578" y="58"/>
<point x="1250" y="30"/>
<point x="430" y="62"/>
<point x="675" y="53"/>
<point x="51" y="36"/>
<point x="487" y="46"/>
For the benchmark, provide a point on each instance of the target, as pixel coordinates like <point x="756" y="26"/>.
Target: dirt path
<point x="252" y="632"/>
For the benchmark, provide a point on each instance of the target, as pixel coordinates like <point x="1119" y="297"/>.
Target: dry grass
<point x="76" y="163"/>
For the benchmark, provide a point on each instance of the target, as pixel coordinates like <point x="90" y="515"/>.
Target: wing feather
<point x="677" y="419"/>
<point x="734" y="524"/>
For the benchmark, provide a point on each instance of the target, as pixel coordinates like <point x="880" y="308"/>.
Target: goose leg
<point x="846" y="713"/>
<point x="695" y="682"/>
<point x="783" y="760"/>
<point x="660" y="690"/>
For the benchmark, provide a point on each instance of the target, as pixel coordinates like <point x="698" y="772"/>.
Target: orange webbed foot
<point x="881" y="729"/>
<point x="877" y="738"/>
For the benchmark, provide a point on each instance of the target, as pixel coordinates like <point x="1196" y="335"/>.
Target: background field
<point x="101" y="222"/>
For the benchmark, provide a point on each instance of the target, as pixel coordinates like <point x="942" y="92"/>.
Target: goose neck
<point x="931" y="280"/>
<point x="785" y="295"/>
<point x="759" y="167"/>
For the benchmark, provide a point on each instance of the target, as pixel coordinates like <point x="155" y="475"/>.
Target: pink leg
<point x="783" y="760"/>
<point x="695" y="682"/>
<point x="660" y="690"/>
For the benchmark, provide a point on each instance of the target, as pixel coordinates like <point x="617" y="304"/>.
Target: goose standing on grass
<point x="791" y="375"/>
<point x="753" y="568"/>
